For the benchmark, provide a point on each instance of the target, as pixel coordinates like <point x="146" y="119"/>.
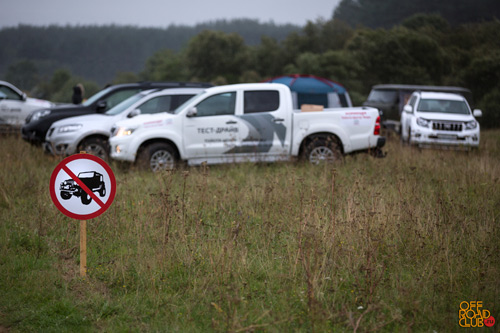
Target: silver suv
<point x="90" y="133"/>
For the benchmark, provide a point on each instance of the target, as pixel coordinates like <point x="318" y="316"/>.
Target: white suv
<point x="443" y="119"/>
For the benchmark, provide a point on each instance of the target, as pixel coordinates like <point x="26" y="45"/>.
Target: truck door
<point x="264" y="128"/>
<point x="213" y="132"/>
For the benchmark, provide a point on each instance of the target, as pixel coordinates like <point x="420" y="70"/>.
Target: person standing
<point x="78" y="93"/>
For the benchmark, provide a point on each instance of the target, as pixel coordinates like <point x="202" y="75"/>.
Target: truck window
<point x="412" y="101"/>
<point x="261" y="101"/>
<point x="89" y="174"/>
<point x="155" y="105"/>
<point x="216" y="105"/>
<point x="9" y="93"/>
<point x="443" y="106"/>
<point x="119" y="96"/>
<point x="383" y="96"/>
<point x="316" y="99"/>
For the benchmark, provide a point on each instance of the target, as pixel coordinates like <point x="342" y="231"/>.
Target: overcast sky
<point x="160" y="13"/>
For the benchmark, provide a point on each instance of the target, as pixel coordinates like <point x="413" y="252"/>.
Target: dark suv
<point x="93" y="180"/>
<point x="38" y="123"/>
<point x="391" y="98"/>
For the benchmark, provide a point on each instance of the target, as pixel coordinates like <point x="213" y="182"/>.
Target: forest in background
<point x="424" y="48"/>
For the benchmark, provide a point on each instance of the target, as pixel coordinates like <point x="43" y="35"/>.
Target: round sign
<point x="82" y="186"/>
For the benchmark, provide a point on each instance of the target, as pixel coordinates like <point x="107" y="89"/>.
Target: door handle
<point x="231" y="122"/>
<point x="278" y="120"/>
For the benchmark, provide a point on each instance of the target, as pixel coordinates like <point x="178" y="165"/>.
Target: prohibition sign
<point x="82" y="186"/>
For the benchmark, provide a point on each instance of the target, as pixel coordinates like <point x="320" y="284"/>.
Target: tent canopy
<point x="309" y="84"/>
<point x="310" y="89"/>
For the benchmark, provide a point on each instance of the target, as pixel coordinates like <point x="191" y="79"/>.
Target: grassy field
<point x="392" y="244"/>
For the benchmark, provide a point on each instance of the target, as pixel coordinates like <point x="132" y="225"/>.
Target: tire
<point x="402" y="139"/>
<point x="102" y="191"/>
<point x="65" y="195"/>
<point x="323" y="150"/>
<point x="158" y="157"/>
<point x="408" y="141"/>
<point x="95" y="146"/>
<point x="86" y="199"/>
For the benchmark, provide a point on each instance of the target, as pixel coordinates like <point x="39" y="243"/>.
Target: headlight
<point x="124" y="131"/>
<point x="69" y="128"/>
<point x="471" y="124"/>
<point x="39" y="114"/>
<point x="423" y="122"/>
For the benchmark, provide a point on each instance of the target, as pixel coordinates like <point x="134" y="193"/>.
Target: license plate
<point x="447" y="137"/>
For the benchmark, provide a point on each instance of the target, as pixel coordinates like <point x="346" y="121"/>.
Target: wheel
<point x="321" y="150"/>
<point x="402" y="138"/>
<point x="95" y="146"/>
<point x="102" y="191"/>
<point x="157" y="157"/>
<point x="65" y="195"/>
<point x="86" y="199"/>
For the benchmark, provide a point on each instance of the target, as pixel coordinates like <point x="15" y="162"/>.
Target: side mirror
<point x="101" y="106"/>
<point x="134" y="113"/>
<point x="477" y="113"/>
<point x="192" y="112"/>
<point x="407" y="108"/>
<point x="23" y="96"/>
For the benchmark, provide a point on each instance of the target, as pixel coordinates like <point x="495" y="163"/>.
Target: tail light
<point x="376" y="131"/>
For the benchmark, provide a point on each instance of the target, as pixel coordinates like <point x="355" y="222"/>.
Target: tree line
<point x="100" y="52"/>
<point x="423" y="49"/>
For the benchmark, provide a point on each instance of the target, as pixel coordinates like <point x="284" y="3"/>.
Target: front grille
<point x="446" y="126"/>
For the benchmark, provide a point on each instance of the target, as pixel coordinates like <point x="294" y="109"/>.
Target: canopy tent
<point x="310" y="89"/>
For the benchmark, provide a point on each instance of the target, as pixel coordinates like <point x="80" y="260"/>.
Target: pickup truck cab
<point x="439" y="119"/>
<point x="244" y="122"/>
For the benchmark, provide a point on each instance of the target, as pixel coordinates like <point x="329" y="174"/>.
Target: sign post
<point x="83" y="248"/>
<point x="82" y="187"/>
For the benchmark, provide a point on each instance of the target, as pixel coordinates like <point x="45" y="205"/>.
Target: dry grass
<point x="374" y="244"/>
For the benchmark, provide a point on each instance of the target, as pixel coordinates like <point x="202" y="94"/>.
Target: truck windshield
<point x="383" y="96"/>
<point x="96" y="97"/>
<point x="86" y="174"/>
<point x="183" y="105"/>
<point x="442" y="106"/>
<point x="124" y="105"/>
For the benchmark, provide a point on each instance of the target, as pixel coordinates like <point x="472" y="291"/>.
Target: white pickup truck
<point x="244" y="122"/>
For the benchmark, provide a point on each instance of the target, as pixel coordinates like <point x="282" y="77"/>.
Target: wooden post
<point x="83" y="248"/>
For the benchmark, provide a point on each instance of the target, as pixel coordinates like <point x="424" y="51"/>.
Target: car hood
<point x="93" y="120"/>
<point x="144" y="119"/>
<point x="445" y="116"/>
<point x="67" y="108"/>
<point x="39" y="102"/>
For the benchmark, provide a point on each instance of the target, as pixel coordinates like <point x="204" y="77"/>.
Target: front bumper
<point x="60" y="144"/>
<point x="32" y="135"/>
<point x="70" y="189"/>
<point x="120" y="149"/>
<point x="445" y="139"/>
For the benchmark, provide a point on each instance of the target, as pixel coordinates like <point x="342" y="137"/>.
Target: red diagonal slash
<point x="83" y="186"/>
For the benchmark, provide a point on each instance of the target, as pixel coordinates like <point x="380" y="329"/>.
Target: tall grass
<point x="370" y="244"/>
